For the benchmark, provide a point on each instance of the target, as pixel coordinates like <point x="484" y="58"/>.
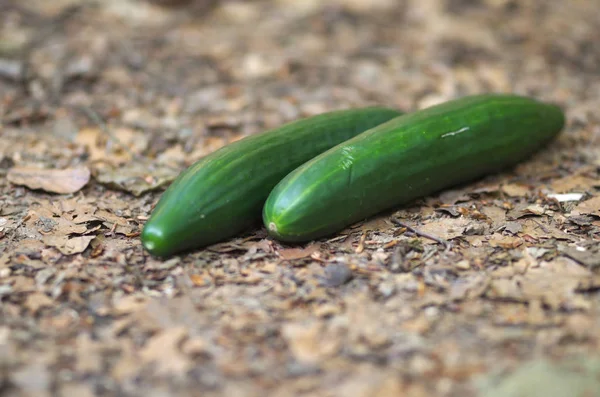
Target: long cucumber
<point x="408" y="157"/>
<point x="223" y="193"/>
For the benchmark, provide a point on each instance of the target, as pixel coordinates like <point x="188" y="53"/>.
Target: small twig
<point x="544" y="229"/>
<point x="416" y="231"/>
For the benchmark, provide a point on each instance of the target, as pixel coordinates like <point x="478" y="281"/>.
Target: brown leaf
<point x="129" y="304"/>
<point x="514" y="190"/>
<point x="526" y="209"/>
<point x="163" y="350"/>
<point x="508" y="242"/>
<point x="570" y="183"/>
<point x="513" y="227"/>
<point x="537" y="229"/>
<point x="306" y="342"/>
<point x="69" y="180"/>
<point x="68" y="246"/>
<point x="37" y="301"/>
<point x="554" y="283"/>
<point x="298" y="253"/>
<point x="137" y="177"/>
<point x="590" y="207"/>
<point x="588" y="256"/>
<point x="116" y="148"/>
<point x="446" y="228"/>
<point x="496" y="214"/>
<point x="470" y="287"/>
<point x="88" y="358"/>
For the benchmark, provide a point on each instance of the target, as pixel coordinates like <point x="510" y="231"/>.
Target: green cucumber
<point x="408" y="157"/>
<point x="223" y="193"/>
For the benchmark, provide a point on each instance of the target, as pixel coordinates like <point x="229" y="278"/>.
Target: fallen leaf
<point x="526" y="209"/>
<point x="508" y="242"/>
<point x="115" y="148"/>
<point x="379" y="223"/>
<point x="513" y="227"/>
<point x="570" y="183"/>
<point x="373" y="383"/>
<point x="68" y="246"/>
<point x="306" y="342"/>
<point x="298" y="253"/>
<point x="163" y="350"/>
<point x="496" y="214"/>
<point x="89" y="359"/>
<point x="589" y="207"/>
<point x="514" y="190"/>
<point x="37" y="301"/>
<point x="537" y="229"/>
<point x="69" y="180"/>
<point x="451" y="197"/>
<point x="470" y="287"/>
<point x="586" y="255"/>
<point x="446" y="228"/>
<point x="196" y="346"/>
<point x="137" y="177"/>
<point x="553" y="283"/>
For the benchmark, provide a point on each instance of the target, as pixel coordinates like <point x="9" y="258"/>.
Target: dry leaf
<point x="508" y="242"/>
<point x="470" y="287"/>
<point x="446" y="228"/>
<point x="514" y="190"/>
<point x="513" y="227"/>
<point x="590" y="207"/>
<point x="69" y="180"/>
<point x="163" y="351"/>
<point x="496" y="214"/>
<point x="537" y="229"/>
<point x="89" y="358"/>
<point x="129" y="304"/>
<point x="373" y="383"/>
<point x="526" y="209"/>
<point x="570" y="183"/>
<point x="306" y="342"/>
<point x="137" y="178"/>
<point x="554" y="283"/>
<point x="68" y="246"/>
<point x="588" y="256"/>
<point x="128" y="364"/>
<point x="298" y="253"/>
<point x="116" y="148"/>
<point x="37" y="301"/>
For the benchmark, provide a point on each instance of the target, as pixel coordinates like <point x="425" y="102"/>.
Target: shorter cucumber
<point x="223" y="193"/>
<point x="406" y="158"/>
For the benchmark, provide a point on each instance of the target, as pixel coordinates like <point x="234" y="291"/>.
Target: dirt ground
<point x="103" y="103"/>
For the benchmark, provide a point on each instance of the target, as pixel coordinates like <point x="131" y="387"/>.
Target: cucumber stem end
<point x="272" y="227"/>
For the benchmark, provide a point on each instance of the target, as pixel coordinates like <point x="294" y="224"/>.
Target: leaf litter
<point x="496" y="280"/>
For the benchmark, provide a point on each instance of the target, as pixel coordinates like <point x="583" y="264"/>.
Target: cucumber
<point x="408" y="157"/>
<point x="224" y="192"/>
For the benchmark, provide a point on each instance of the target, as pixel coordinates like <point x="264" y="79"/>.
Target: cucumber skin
<point x="224" y="192"/>
<point x="406" y="158"/>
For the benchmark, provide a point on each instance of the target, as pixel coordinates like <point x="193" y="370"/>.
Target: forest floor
<point x="103" y="103"/>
